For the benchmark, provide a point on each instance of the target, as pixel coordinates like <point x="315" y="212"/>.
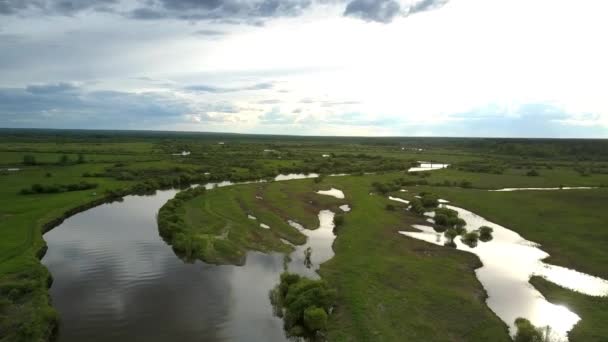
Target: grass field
<point x="592" y="310"/>
<point x="571" y="225"/>
<point x="381" y="276"/>
<point x="390" y="287"/>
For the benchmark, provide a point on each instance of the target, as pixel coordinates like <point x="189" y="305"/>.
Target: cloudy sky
<point x="517" y="68"/>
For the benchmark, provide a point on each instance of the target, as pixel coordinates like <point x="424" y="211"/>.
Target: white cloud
<point x="415" y="73"/>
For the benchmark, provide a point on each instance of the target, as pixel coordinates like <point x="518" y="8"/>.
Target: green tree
<point x="28" y="159"/>
<point x="81" y="159"/>
<point x="315" y="318"/>
<point x="526" y="332"/>
<point x="64" y="159"/>
<point x="441" y="219"/>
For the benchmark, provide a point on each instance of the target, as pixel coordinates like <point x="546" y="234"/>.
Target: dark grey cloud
<point x="383" y="11"/>
<point x="426" y="5"/>
<point x="55" y="7"/>
<point x="212" y="33"/>
<point x="65" y="105"/>
<point x="143" y="13"/>
<point x="203" y="88"/>
<point x="251" y="12"/>
<point x="227" y="11"/>
<point x="50" y="88"/>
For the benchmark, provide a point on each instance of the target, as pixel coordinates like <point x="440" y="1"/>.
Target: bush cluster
<point x="57" y="188"/>
<point x="303" y="303"/>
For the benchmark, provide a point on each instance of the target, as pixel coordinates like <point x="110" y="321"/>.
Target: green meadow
<point x="389" y="287"/>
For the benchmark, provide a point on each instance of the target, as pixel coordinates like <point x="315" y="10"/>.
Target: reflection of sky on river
<point x="115" y="279"/>
<point x="508" y="262"/>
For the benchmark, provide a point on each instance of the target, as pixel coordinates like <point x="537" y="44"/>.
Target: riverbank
<point x="380" y="276"/>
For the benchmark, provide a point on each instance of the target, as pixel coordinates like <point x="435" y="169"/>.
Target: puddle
<point x="295" y="176"/>
<point x="509" y="261"/>
<point x="427" y="166"/>
<point x="546" y="189"/>
<point x="397" y="199"/>
<point x="332" y="192"/>
<point x="319" y="240"/>
<point x="296" y="225"/>
<point x="345" y="208"/>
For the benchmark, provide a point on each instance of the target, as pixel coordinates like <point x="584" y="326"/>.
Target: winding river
<point x="115" y="280"/>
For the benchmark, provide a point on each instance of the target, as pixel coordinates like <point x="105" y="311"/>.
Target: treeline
<point x="57" y="188"/>
<point x="64" y="159"/>
<point x="397" y="184"/>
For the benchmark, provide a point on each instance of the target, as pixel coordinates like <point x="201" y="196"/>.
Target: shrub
<point x="53" y="189"/>
<point x="64" y="159"/>
<point x="485" y="233"/>
<point x="338" y="220"/>
<point x="417" y="207"/>
<point x="447" y="212"/>
<point x="470" y="239"/>
<point x="532" y="173"/>
<point x="466" y="184"/>
<point x="303" y="303"/>
<point x="390" y="207"/>
<point x="29" y="160"/>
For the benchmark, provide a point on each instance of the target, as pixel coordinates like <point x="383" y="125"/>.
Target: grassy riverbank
<point x="390" y="287"/>
<point x="592" y="310"/>
<point x="569" y="224"/>
<point x="385" y="289"/>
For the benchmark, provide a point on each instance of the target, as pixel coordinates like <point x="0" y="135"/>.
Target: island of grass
<point x="220" y="225"/>
<point x="385" y="289"/>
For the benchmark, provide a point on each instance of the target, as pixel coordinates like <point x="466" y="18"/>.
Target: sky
<point x="491" y="68"/>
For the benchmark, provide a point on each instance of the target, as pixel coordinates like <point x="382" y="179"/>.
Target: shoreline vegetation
<point x="122" y="164"/>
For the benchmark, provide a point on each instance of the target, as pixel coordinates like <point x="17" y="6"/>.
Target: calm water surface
<point x="115" y="279"/>
<point x="509" y="261"/>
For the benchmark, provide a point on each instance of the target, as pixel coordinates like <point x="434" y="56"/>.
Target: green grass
<point x="569" y="224"/>
<point x="592" y="310"/>
<point x="390" y="287"/>
<point x="386" y="289"/>
<point x="26" y="312"/>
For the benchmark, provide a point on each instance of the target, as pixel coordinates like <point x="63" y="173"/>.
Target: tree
<point x="81" y="159"/>
<point x="450" y="235"/>
<point x="390" y="207"/>
<point x="441" y="219"/>
<point x="315" y="318"/>
<point x="526" y="332"/>
<point x="64" y="159"/>
<point x="29" y="159"/>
